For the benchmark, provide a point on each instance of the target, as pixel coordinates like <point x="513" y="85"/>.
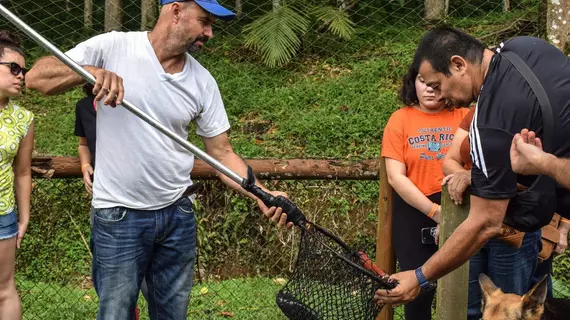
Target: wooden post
<point x="452" y="289"/>
<point x="385" y="257"/>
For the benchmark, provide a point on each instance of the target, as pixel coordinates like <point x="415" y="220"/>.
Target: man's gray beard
<point x="193" y="48"/>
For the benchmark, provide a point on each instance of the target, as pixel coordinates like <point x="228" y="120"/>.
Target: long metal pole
<point x="127" y="105"/>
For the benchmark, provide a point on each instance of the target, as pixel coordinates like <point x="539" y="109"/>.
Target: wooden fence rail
<point x="283" y="169"/>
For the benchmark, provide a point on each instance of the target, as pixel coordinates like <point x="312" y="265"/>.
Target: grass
<point x="252" y="298"/>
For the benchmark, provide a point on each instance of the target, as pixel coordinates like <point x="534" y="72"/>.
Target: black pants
<point x="411" y="253"/>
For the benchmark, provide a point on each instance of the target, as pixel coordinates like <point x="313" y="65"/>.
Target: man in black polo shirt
<point x="464" y="71"/>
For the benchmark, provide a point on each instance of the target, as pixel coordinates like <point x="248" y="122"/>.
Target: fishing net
<point x="331" y="281"/>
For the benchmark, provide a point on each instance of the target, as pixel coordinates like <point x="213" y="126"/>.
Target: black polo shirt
<point x="506" y="105"/>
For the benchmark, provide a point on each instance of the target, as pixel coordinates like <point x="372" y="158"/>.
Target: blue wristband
<point x="423" y="281"/>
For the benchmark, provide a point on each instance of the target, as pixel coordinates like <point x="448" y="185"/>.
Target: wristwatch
<point x="424" y="283"/>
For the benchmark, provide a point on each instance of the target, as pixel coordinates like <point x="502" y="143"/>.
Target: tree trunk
<point x="149" y="12"/>
<point x="506" y="5"/>
<point x="282" y="169"/>
<point x="239" y="8"/>
<point x="88" y="14"/>
<point x="347" y="5"/>
<point x="113" y="15"/>
<point x="557" y="24"/>
<point x="435" y="10"/>
<point x="276" y="4"/>
<point x="343" y="4"/>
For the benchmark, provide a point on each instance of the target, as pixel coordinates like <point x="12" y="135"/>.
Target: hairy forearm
<point x="51" y="76"/>
<point x="410" y="193"/>
<point x="483" y="223"/>
<point x="557" y="168"/>
<point x="465" y="241"/>
<point x="23" y="188"/>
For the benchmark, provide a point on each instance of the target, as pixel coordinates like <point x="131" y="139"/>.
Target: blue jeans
<point x="9" y="225"/>
<point x="509" y="268"/>
<point x="544" y="268"/>
<point x="129" y="245"/>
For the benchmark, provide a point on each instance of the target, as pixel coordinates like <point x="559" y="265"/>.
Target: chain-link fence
<point x="243" y="259"/>
<point x="338" y="63"/>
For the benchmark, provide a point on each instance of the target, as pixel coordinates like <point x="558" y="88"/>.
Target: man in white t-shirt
<point x="143" y="223"/>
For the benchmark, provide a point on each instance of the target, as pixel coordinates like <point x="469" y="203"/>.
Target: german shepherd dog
<point x="497" y="305"/>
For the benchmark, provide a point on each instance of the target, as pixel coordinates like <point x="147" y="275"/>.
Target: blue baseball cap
<point x="212" y="6"/>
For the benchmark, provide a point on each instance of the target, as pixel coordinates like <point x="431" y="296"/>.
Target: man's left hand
<point x="407" y="290"/>
<point x="275" y="214"/>
<point x="526" y="153"/>
<point x="457" y="183"/>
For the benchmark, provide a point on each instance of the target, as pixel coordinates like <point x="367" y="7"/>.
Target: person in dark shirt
<point x="463" y="70"/>
<point x="85" y="129"/>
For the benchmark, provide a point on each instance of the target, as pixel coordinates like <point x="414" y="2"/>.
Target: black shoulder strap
<point x="538" y="89"/>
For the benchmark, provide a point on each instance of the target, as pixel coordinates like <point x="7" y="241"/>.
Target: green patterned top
<point x="14" y="124"/>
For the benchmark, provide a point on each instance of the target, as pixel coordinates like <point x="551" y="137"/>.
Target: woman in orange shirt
<point x="415" y="141"/>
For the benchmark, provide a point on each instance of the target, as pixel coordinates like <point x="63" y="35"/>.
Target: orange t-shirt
<point x="465" y="148"/>
<point x="420" y="140"/>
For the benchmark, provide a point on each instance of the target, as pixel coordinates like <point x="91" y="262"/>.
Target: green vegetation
<point x="331" y="100"/>
<point x="240" y="299"/>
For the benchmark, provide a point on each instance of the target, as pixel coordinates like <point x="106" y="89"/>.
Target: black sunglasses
<point x="15" y="68"/>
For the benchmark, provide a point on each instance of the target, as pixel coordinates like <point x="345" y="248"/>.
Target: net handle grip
<point x="294" y="214"/>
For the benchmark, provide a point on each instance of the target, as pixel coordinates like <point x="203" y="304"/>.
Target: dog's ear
<point x="487" y="287"/>
<point x="533" y="300"/>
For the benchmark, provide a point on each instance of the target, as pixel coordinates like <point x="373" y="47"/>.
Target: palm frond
<point x="276" y="35"/>
<point x="336" y="20"/>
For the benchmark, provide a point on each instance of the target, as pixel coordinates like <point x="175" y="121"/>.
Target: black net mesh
<point x="326" y="286"/>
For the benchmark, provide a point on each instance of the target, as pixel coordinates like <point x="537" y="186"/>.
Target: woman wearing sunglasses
<point x="16" y="145"/>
